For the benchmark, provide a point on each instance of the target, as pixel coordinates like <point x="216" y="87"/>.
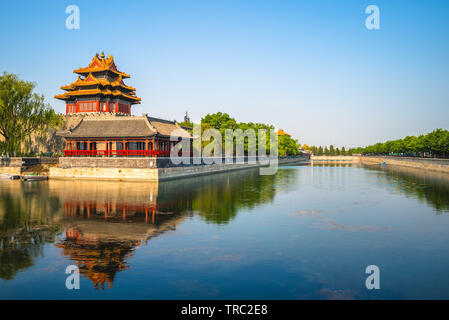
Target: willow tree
<point x="22" y="113"/>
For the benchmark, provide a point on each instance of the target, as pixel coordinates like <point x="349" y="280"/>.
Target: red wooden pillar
<point x="153" y="214"/>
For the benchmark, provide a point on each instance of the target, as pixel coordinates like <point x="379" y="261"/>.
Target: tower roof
<point x="94" y="82"/>
<point x="99" y="64"/>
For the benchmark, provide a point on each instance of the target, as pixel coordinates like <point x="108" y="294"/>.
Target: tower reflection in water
<point x="105" y="222"/>
<point x="98" y="225"/>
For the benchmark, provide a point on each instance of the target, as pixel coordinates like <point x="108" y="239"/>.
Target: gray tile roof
<point x="129" y="126"/>
<point x="167" y="128"/>
<point x="111" y="127"/>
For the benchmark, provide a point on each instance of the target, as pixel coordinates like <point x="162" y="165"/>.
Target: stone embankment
<point x="335" y="158"/>
<point x="440" y="165"/>
<point x="27" y="165"/>
<point x="145" y="169"/>
<point x="11" y="166"/>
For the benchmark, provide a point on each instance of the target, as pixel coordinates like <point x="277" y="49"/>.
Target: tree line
<point x="222" y="121"/>
<point x="331" y="151"/>
<point x="432" y="144"/>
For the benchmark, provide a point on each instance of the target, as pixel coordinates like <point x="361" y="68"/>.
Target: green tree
<point x="287" y="146"/>
<point x="331" y="150"/>
<point x="436" y="143"/>
<point x="22" y="113"/>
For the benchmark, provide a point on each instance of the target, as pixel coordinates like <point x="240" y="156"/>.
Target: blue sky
<point x="309" y="67"/>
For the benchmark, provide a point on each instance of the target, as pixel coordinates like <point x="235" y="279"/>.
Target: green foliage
<point x="223" y="121"/>
<point x="332" y="151"/>
<point x="58" y="154"/>
<point x="287" y="146"/>
<point x="22" y="113"/>
<point x="188" y="125"/>
<point x="435" y="143"/>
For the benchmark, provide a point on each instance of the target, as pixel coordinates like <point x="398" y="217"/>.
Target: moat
<point x="307" y="232"/>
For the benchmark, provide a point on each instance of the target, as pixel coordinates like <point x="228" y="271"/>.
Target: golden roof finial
<point x="102" y="55"/>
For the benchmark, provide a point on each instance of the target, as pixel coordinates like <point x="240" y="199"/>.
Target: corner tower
<point x="99" y="89"/>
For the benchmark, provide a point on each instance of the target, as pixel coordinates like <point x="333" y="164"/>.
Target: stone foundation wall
<point x="180" y="172"/>
<point x="440" y="165"/>
<point x="11" y="162"/>
<point x="107" y="162"/>
<point x="10" y="170"/>
<point x="11" y="165"/>
<point x="104" y="173"/>
<point x="336" y="158"/>
<point x="141" y="169"/>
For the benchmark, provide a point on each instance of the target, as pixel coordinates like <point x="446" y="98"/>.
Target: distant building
<point x="282" y="133"/>
<point x="186" y="118"/>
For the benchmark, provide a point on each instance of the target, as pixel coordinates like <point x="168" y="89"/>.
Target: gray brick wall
<point x="110" y="162"/>
<point x="11" y="162"/>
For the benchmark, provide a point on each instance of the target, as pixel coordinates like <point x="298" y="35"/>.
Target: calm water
<point x="306" y="232"/>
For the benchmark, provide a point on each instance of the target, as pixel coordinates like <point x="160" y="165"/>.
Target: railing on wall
<point x="116" y="153"/>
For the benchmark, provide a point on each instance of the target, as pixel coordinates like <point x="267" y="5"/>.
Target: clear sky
<point x="311" y="68"/>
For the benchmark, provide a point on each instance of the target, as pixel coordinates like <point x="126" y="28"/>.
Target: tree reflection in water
<point x="429" y="187"/>
<point x="101" y="223"/>
<point x="27" y="222"/>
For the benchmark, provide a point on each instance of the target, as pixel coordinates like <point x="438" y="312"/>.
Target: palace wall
<point x="104" y="173"/>
<point x="336" y="158"/>
<point x="107" y="162"/>
<point x="10" y="165"/>
<point x="145" y="169"/>
<point x="440" y="165"/>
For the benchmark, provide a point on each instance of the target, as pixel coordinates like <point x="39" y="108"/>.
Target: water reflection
<point x="98" y="225"/>
<point x="28" y="220"/>
<point x="427" y="186"/>
<point x="101" y="223"/>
